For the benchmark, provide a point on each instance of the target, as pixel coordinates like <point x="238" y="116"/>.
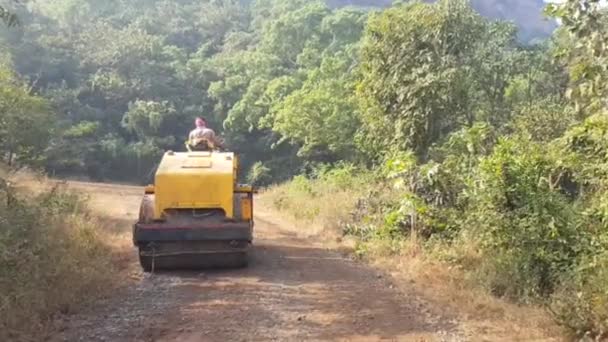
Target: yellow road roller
<point x="195" y="215"/>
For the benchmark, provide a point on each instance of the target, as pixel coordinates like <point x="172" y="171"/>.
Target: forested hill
<point x="125" y="79"/>
<point x="526" y="14"/>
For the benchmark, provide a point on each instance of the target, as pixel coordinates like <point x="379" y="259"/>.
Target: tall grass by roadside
<point x="321" y="202"/>
<point x="54" y="257"/>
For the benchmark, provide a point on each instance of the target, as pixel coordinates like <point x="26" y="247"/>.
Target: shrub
<point x="581" y="302"/>
<point x="52" y="257"/>
<point x="259" y="174"/>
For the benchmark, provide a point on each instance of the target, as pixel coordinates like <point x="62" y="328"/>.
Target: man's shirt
<point x="203" y="133"/>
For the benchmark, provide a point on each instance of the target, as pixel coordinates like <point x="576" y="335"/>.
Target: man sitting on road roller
<point x="202" y="138"/>
<point x="195" y="214"/>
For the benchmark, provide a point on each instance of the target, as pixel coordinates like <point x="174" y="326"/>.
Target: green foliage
<point x="259" y="175"/>
<point x="142" y="70"/>
<point x="322" y="114"/>
<point x="581" y="303"/>
<point x="544" y="120"/>
<point x="280" y="74"/>
<point x="453" y="69"/>
<point x="534" y="203"/>
<point x="585" y="51"/>
<point x="25" y="121"/>
<point x="147" y="118"/>
<point x="532" y="220"/>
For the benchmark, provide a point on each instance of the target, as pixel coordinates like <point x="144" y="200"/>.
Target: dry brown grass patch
<point x="55" y="256"/>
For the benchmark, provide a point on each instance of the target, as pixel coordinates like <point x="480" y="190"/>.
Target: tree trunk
<point x="11" y="155"/>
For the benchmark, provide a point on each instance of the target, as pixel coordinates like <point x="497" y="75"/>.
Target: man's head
<point x="200" y="123"/>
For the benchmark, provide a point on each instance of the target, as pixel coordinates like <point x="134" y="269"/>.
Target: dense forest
<point x="485" y="137"/>
<point x="125" y="78"/>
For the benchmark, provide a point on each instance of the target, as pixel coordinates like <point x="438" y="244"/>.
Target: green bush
<point x="259" y="174"/>
<point x="533" y="224"/>
<point x="581" y="302"/>
<point x="534" y="211"/>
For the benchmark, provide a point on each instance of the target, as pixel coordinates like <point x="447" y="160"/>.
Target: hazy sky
<point x="603" y="2"/>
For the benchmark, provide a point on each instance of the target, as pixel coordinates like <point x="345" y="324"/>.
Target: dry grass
<point x="483" y="317"/>
<point x="414" y="269"/>
<point x="55" y="256"/>
<point x="313" y="213"/>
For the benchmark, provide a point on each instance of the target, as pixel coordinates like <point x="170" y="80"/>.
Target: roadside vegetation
<point x="322" y="201"/>
<point x="420" y="126"/>
<point x="55" y="256"/>
<point x="488" y="158"/>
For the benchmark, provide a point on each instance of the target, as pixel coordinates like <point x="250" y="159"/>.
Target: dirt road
<point x="294" y="290"/>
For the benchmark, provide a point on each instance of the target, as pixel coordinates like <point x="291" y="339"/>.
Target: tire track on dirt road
<point x="293" y="290"/>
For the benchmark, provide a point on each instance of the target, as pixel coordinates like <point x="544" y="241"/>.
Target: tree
<point x="322" y="115"/>
<point x="148" y="118"/>
<point x="412" y="68"/>
<point x="586" y="51"/>
<point x="494" y="62"/>
<point x="25" y="121"/>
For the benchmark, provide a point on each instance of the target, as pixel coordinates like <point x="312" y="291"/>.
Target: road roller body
<point x="195" y="215"/>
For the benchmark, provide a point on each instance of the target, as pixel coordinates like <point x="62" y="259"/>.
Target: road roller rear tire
<point x="194" y="261"/>
<point x="145" y="263"/>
